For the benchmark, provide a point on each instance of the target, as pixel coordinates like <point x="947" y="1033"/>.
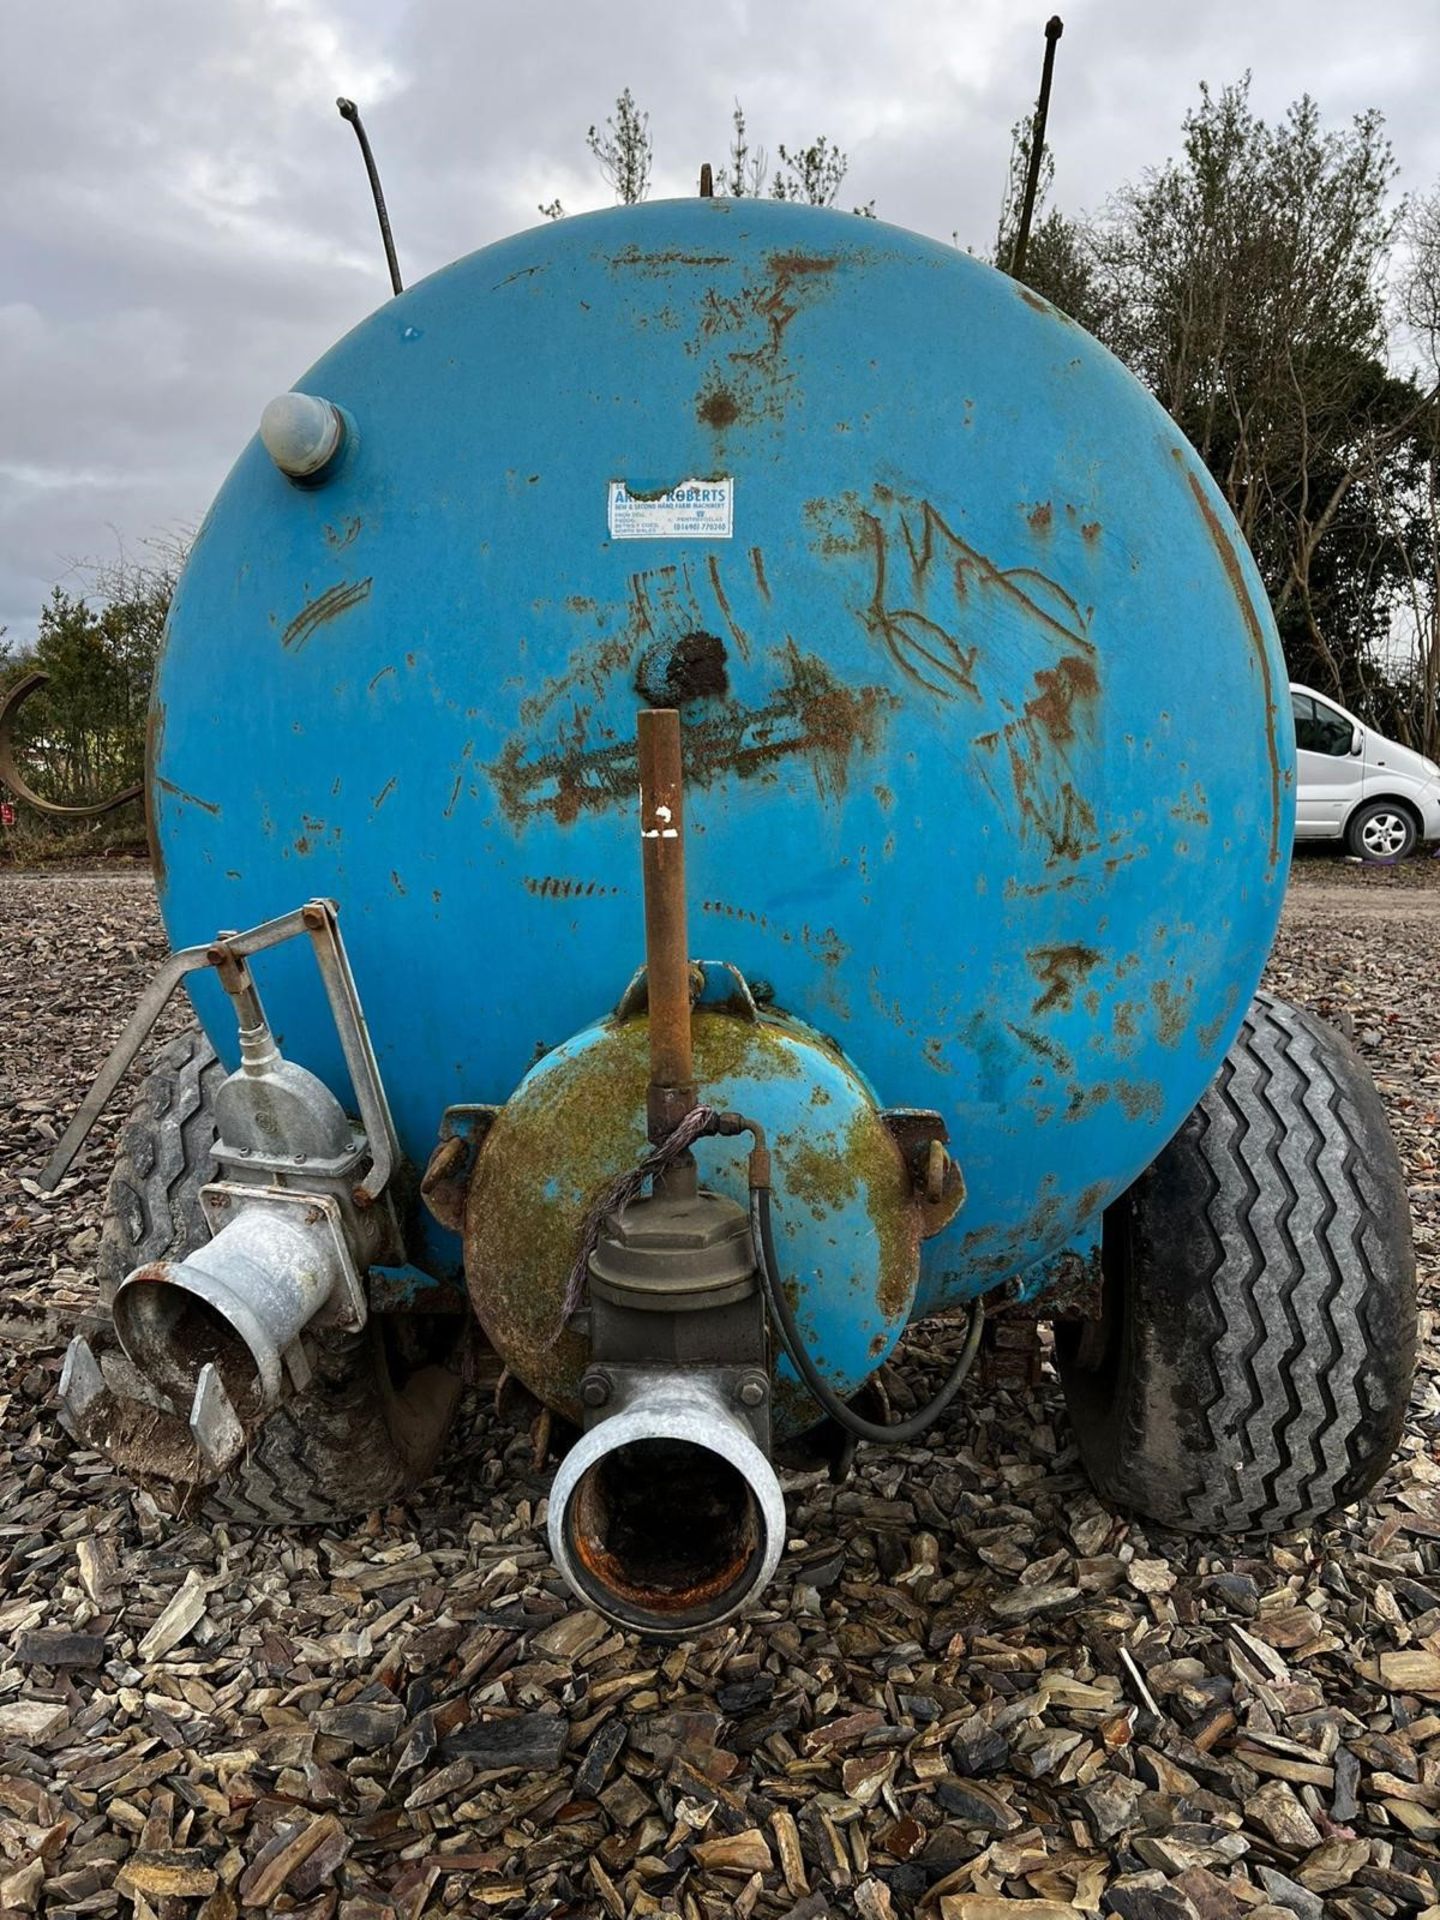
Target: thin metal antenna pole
<point x="1054" y="27"/>
<point x="349" y="111"/>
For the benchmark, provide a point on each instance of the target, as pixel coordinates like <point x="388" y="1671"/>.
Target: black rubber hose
<point x="888" y="1434"/>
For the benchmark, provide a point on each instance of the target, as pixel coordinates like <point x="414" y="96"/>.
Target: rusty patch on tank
<point x="589" y="671"/>
<point x="826" y="1180"/>
<point x="757" y="562"/>
<point x="719" y="408"/>
<point x="811" y="717"/>
<point x="1235" y="573"/>
<point x="692" y="669"/>
<point x="942" y="610"/>
<point x="1172" y="1010"/>
<point x="1140" y="1099"/>
<point x="1060" y="971"/>
<point x="1034" y="300"/>
<point x="1209" y="1035"/>
<point x="1192" y="808"/>
<point x="329" y="605"/>
<point x="786" y="266"/>
<point x="1041" y="517"/>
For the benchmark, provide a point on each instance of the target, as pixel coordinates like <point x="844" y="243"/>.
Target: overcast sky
<point x="185" y="226"/>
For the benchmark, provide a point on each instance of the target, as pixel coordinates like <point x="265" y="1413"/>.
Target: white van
<point x="1351" y="781"/>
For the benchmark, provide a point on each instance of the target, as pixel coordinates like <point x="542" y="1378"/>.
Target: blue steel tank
<point x="987" y="751"/>
<point x="990" y="779"/>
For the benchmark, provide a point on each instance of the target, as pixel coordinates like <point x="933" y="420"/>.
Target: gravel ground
<point x="972" y="1692"/>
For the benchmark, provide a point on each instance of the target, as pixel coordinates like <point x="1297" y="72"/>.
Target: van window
<point x="1319" y="729"/>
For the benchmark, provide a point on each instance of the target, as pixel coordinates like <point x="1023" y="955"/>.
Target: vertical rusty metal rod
<point x="1054" y="27"/>
<point x="667" y="958"/>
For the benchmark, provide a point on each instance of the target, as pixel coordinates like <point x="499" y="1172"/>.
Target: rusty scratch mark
<point x="1044" y="1048"/>
<point x="190" y="799"/>
<point x="757" y="561"/>
<point x="1038" y="747"/>
<point x="552" y="887"/>
<point x="336" y="600"/>
<point x="927" y="650"/>
<point x="737" y="632"/>
<point x="1230" y="560"/>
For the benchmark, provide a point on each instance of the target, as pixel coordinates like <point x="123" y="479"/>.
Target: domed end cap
<point x="302" y="434"/>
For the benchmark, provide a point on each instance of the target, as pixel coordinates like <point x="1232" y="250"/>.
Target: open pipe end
<point x="237" y="1304"/>
<point x="170" y="1333"/>
<point x="667" y="1518"/>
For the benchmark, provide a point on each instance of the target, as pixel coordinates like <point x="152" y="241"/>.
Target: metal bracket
<point x="707" y="978"/>
<point x="446" y="1179"/>
<point x="347" y="1310"/>
<point x="318" y="920"/>
<point x="922" y="1137"/>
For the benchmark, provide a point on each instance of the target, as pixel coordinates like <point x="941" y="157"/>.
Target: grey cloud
<point x="185" y="224"/>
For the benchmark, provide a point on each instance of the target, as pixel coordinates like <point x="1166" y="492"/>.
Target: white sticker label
<point x="695" y="510"/>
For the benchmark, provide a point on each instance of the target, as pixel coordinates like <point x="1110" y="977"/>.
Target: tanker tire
<point x="362" y="1434"/>
<point x="1253" y="1366"/>
<point x="153" y="1201"/>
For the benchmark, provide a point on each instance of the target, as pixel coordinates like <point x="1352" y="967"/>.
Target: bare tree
<point x="814" y="174"/>
<point x="624" y="150"/>
<point x="1007" y="227"/>
<point x="749" y="169"/>
<point x="625" y="153"/>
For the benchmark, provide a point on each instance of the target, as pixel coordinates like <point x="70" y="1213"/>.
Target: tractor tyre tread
<point x="153" y="1201"/>
<point x="1270" y="1349"/>
<point x="337" y="1448"/>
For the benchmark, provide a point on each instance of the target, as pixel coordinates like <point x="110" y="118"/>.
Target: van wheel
<point x="1381" y="831"/>
<point x="1252" y="1366"/>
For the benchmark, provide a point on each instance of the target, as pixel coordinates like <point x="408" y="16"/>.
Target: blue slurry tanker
<point x="720" y="780"/>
